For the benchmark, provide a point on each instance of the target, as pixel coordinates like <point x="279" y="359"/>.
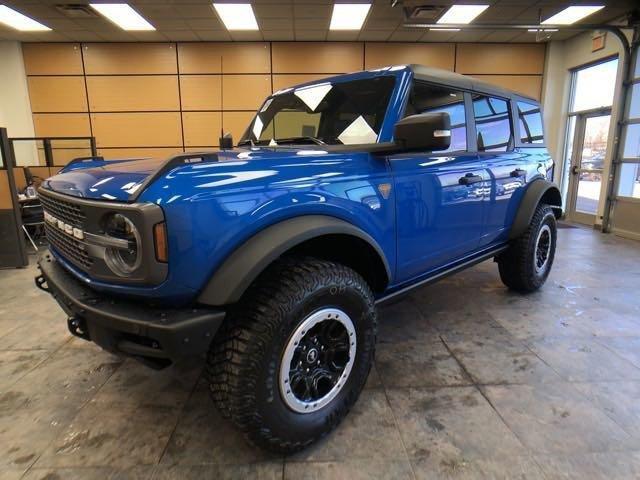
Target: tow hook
<point x="41" y="283"/>
<point x="78" y="327"/>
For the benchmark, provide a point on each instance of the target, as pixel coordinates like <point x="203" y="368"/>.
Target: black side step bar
<point x="439" y="275"/>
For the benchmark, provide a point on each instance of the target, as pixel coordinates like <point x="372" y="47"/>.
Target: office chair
<point x="32" y="213"/>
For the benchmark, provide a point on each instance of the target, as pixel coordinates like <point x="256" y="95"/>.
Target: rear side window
<point x="434" y="99"/>
<point x="530" y="123"/>
<point x="493" y="125"/>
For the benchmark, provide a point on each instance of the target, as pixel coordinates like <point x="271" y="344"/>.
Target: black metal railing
<point x="48" y="147"/>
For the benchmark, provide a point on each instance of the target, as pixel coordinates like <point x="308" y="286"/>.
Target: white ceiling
<point x="299" y="20"/>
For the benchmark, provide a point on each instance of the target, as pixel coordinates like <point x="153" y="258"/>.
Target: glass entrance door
<point x="587" y="164"/>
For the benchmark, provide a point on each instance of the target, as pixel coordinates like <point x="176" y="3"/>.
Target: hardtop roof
<point x="430" y="74"/>
<point x="466" y="82"/>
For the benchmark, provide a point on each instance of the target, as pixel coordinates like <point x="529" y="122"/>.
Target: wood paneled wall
<point x="160" y="98"/>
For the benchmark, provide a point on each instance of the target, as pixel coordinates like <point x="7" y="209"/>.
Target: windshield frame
<point x="391" y="116"/>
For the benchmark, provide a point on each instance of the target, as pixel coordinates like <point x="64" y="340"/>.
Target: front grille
<point x="63" y="210"/>
<point x="72" y="249"/>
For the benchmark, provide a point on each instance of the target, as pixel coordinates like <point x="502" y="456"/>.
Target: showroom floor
<point x="471" y="381"/>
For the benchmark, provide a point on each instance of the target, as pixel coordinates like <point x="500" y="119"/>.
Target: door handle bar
<point x="469" y="179"/>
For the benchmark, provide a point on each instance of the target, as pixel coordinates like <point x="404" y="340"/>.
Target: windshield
<point x="346" y="113"/>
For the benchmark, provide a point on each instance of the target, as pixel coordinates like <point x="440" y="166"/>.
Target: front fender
<point x="243" y="266"/>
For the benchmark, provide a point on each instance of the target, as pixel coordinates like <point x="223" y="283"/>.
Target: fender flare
<point x="533" y="195"/>
<point x="242" y="267"/>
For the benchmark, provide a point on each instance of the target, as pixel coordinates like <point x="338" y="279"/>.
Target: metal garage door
<point x="626" y="212"/>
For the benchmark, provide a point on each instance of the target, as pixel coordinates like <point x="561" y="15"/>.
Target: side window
<point x="530" y="123"/>
<point x="433" y="99"/>
<point x="493" y="125"/>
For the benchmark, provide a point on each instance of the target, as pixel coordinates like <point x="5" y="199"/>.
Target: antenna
<point x="221" y="95"/>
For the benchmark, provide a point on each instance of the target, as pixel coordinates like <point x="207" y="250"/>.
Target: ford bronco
<point x="271" y="258"/>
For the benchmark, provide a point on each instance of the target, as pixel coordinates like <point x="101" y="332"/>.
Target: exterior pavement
<point x="470" y="381"/>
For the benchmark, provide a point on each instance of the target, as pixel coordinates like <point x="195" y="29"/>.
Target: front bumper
<point x="155" y="335"/>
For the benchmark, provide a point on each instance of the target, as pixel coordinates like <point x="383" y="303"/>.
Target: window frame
<point x="510" y="111"/>
<point x="516" y="127"/>
<point x="472" y="137"/>
<point x="573" y="72"/>
<point x="471" y="147"/>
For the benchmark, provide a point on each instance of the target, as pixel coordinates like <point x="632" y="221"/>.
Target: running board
<point x="442" y="274"/>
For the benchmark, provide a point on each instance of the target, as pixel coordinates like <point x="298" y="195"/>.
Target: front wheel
<point x="294" y="356"/>
<point x="525" y="266"/>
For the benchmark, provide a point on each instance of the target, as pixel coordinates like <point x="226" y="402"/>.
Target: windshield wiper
<point x="315" y="140"/>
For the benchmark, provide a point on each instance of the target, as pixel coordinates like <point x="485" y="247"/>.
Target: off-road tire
<point x="244" y="361"/>
<point x="517" y="264"/>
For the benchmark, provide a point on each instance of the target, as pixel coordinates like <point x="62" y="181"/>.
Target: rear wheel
<point x="295" y="354"/>
<point x="525" y="266"/>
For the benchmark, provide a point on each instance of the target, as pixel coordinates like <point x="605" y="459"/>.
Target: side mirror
<point x="226" y="142"/>
<point x="426" y="131"/>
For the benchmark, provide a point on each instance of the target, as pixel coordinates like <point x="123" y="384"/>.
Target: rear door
<point x="507" y="167"/>
<point x="440" y="195"/>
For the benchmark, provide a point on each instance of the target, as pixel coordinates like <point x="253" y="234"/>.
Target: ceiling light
<point x="19" y="21"/>
<point x="444" y="29"/>
<point x="572" y="14"/>
<point x="460" y="14"/>
<point x="535" y="30"/>
<point x="236" y="16"/>
<point x="349" y="16"/>
<point x="123" y="16"/>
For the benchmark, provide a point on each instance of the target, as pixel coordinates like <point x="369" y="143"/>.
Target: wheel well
<point x="348" y="250"/>
<point x="552" y="197"/>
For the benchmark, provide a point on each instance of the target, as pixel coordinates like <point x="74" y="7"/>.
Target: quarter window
<point x="530" y="123"/>
<point x="493" y="125"/>
<point x="435" y="99"/>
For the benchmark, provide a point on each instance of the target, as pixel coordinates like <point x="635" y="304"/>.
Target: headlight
<point x="122" y="260"/>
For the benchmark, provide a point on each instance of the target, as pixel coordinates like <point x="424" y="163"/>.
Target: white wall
<point x="561" y="58"/>
<point x="15" y="108"/>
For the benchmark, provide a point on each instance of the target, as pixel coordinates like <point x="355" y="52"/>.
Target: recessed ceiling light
<point x="572" y="14"/>
<point x="349" y="16"/>
<point x="459" y="14"/>
<point x="444" y="29"/>
<point x="19" y="21"/>
<point x="123" y="16"/>
<point x="236" y="16"/>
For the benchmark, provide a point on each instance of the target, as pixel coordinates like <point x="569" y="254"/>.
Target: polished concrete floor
<point x="470" y="381"/>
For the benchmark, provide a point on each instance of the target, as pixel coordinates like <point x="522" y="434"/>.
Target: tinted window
<point x="530" y="123"/>
<point x="434" y="99"/>
<point x="492" y="123"/>
<point x="332" y="113"/>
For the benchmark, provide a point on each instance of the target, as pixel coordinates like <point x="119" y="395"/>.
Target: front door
<point x="587" y="163"/>
<point x="440" y="195"/>
<point x="439" y="209"/>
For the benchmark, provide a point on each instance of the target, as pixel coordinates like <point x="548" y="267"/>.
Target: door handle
<point x="575" y="170"/>
<point x="470" y="178"/>
<point x="518" y="172"/>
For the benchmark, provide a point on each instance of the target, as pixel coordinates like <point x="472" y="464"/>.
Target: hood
<point x="109" y="181"/>
<point x="119" y="180"/>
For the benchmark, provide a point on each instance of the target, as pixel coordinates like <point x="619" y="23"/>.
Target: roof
<point x="465" y="82"/>
<point x="427" y="74"/>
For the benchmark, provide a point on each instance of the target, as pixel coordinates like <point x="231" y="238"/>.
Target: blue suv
<point x="271" y="258"/>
